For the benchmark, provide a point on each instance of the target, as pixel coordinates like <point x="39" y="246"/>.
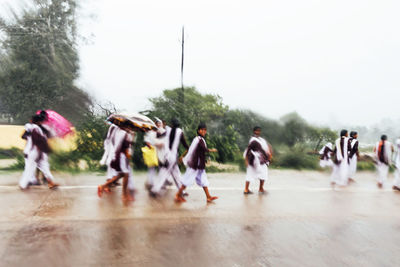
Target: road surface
<point x="302" y="221"/>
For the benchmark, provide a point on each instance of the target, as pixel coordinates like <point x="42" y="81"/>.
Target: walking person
<point x="120" y="153"/>
<point x="257" y="157"/>
<point x="195" y="162"/>
<point x="325" y="156"/>
<point x="174" y="137"/>
<point x="396" y="181"/>
<point x="36" y="153"/>
<point x="354" y="155"/>
<point x="383" y="151"/>
<point x="340" y="170"/>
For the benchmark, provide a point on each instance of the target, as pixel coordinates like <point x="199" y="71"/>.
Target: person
<point x="149" y="140"/>
<point x="107" y="157"/>
<point x="396" y="181"/>
<point x="354" y="155"/>
<point x="36" y="153"/>
<point x="257" y="158"/>
<point x="120" y="153"/>
<point x="325" y="156"/>
<point x="383" y="150"/>
<point x="340" y="170"/>
<point x="195" y="162"/>
<point x="174" y="137"/>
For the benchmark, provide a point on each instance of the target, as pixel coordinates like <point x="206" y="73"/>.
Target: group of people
<point x="165" y="142"/>
<point x="162" y="157"/>
<point x="343" y="158"/>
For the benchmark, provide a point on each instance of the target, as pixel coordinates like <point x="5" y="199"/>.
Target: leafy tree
<point x="198" y="108"/>
<point x="39" y="62"/>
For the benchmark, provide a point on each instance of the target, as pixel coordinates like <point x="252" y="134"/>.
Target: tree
<point x="40" y="63"/>
<point x="198" y="108"/>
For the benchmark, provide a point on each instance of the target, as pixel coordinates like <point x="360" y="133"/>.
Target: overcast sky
<point x="331" y="61"/>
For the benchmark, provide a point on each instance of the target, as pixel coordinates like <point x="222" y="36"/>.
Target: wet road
<point x="302" y="221"/>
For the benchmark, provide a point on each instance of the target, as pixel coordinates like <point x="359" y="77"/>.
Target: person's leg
<point x="246" y="188"/>
<point x="159" y="182"/>
<point x="209" y="197"/>
<point x="396" y="181"/>
<point x="125" y="193"/>
<point x="44" y="167"/>
<point x="250" y="173"/>
<point x="106" y="186"/>
<point x="261" y="189"/>
<point x="179" y="196"/>
<point x="29" y="172"/>
<point x="187" y="180"/>
<point x="151" y="173"/>
<point x="175" y="173"/>
<point x="202" y="180"/>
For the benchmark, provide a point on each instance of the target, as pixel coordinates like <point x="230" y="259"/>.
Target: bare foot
<point x="211" y="199"/>
<point x="396" y="188"/>
<point x="100" y="191"/>
<point x="53" y="186"/>
<point x="179" y="198"/>
<point x="380" y="185"/>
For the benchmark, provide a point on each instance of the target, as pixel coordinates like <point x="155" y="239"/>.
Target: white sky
<point x="331" y="61"/>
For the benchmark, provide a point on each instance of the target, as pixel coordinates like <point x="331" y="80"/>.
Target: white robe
<point x="353" y="161"/>
<point x="340" y="172"/>
<point x="396" y="181"/>
<point x="117" y="140"/>
<point x="34" y="159"/>
<point x="381" y="167"/>
<point x="258" y="170"/>
<point x="108" y="147"/>
<point x="191" y="175"/>
<point x="170" y="157"/>
<point x="326" y="162"/>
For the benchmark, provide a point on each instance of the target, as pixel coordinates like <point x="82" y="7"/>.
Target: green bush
<point x="365" y="166"/>
<point x="296" y="158"/>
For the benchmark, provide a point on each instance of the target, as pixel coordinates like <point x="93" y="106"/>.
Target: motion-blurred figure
<point x="354" y="155"/>
<point x="325" y="156"/>
<point x="120" y="153"/>
<point x="396" y="182"/>
<point x="169" y="168"/>
<point x="195" y="161"/>
<point x="383" y="151"/>
<point x="36" y="153"/>
<point x="107" y="156"/>
<point x="340" y="170"/>
<point x="257" y="157"/>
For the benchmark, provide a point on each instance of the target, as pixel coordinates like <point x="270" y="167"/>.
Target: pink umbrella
<point x="59" y="125"/>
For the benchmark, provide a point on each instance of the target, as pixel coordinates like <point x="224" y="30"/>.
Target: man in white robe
<point x="354" y="154"/>
<point x="325" y="156"/>
<point x="169" y="168"/>
<point x="340" y="170"/>
<point x="120" y="154"/>
<point x="257" y="157"/>
<point x="195" y="162"/>
<point x="383" y="151"/>
<point x="108" y="148"/>
<point x="36" y="154"/>
<point x="396" y="181"/>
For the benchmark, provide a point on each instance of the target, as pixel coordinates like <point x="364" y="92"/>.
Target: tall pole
<point x="182" y="60"/>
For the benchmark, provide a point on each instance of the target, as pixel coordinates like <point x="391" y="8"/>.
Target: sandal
<point x="248" y="192"/>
